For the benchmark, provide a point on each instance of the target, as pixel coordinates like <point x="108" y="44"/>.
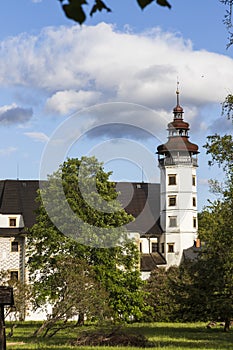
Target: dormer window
<point x="12" y="222"/>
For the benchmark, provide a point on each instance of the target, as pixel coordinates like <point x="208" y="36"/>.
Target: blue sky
<point x="120" y="67"/>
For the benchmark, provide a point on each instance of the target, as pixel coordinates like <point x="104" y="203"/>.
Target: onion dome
<point x="177" y="135"/>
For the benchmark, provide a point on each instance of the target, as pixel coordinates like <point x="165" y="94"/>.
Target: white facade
<point x="178" y="190"/>
<point x="178" y="217"/>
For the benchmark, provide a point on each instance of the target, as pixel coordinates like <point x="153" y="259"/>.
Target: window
<point x="194" y="201"/>
<point x="14" y="275"/>
<point x="170" y="247"/>
<point x="154" y="247"/>
<point x="171" y="180"/>
<point x="194" y="180"/>
<point x="162" y="248"/>
<point x="140" y="247"/>
<point x="12" y="222"/>
<point x="172" y="201"/>
<point x="194" y="222"/>
<point x="14" y="246"/>
<point x="172" y="221"/>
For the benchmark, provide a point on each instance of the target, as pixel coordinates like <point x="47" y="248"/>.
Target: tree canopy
<point x="215" y="268"/>
<point x="111" y="272"/>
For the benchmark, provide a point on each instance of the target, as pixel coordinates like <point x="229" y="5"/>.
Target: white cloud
<point x="7" y="151"/>
<point x="77" y="66"/>
<point x="37" y="136"/>
<point x="63" y="102"/>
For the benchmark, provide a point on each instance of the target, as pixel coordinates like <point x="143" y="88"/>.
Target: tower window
<point x="14" y="246"/>
<point x="194" y="180"/>
<point x="172" y="201"/>
<point x="194" y="222"/>
<point x="194" y="202"/>
<point x="171" y="180"/>
<point x="172" y="221"/>
<point x="170" y="247"/>
<point x="12" y="222"/>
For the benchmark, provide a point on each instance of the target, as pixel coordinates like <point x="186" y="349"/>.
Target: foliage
<point x="227" y="106"/>
<point x="74" y="9"/>
<point x="78" y="293"/>
<point x="160" y="295"/>
<point x="216" y="226"/>
<point x="221" y="150"/>
<point x="111" y="272"/>
<point x="21" y="293"/>
<point x="228" y="20"/>
<point x="175" y="296"/>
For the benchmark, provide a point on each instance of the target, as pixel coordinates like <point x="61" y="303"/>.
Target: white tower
<point x="178" y="193"/>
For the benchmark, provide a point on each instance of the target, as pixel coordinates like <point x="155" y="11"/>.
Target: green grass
<point x="166" y="336"/>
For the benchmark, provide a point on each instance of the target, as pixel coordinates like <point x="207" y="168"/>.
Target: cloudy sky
<point x="110" y="84"/>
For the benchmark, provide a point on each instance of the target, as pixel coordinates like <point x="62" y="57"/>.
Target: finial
<point x="178" y="110"/>
<point x="177" y="92"/>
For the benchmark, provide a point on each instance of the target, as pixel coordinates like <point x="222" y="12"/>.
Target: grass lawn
<point x="166" y="336"/>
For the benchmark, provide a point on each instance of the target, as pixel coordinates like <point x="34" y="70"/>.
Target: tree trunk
<point x="81" y="319"/>
<point x="227" y="325"/>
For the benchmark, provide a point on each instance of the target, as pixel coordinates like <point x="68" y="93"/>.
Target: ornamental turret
<point x="178" y="148"/>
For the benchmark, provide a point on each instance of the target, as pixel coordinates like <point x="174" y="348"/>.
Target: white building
<point x="165" y="214"/>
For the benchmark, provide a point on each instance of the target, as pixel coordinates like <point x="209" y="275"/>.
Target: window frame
<point x="170" y="221"/>
<point x="170" y="198"/>
<point x="170" y="247"/>
<point x="14" y="219"/>
<point x="15" y="244"/>
<point x="154" y="247"/>
<point x="170" y="181"/>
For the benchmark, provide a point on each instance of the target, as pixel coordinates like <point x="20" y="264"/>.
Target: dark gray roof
<point x="191" y="253"/>
<point x="18" y="197"/>
<point x="139" y="199"/>
<point x="142" y="200"/>
<point x="149" y="262"/>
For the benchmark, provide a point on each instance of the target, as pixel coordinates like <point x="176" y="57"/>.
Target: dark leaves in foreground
<point x="74" y="8"/>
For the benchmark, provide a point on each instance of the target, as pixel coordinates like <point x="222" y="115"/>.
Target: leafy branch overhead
<point x="75" y="9"/>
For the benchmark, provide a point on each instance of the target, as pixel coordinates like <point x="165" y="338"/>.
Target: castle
<point x="166" y="213"/>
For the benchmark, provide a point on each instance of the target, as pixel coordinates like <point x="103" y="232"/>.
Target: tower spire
<point x="177" y="93"/>
<point x="178" y="110"/>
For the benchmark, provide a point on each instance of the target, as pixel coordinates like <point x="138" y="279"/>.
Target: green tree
<point x="73" y="292"/>
<point x="216" y="227"/>
<point x="92" y="200"/>
<point x="160" y="295"/>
